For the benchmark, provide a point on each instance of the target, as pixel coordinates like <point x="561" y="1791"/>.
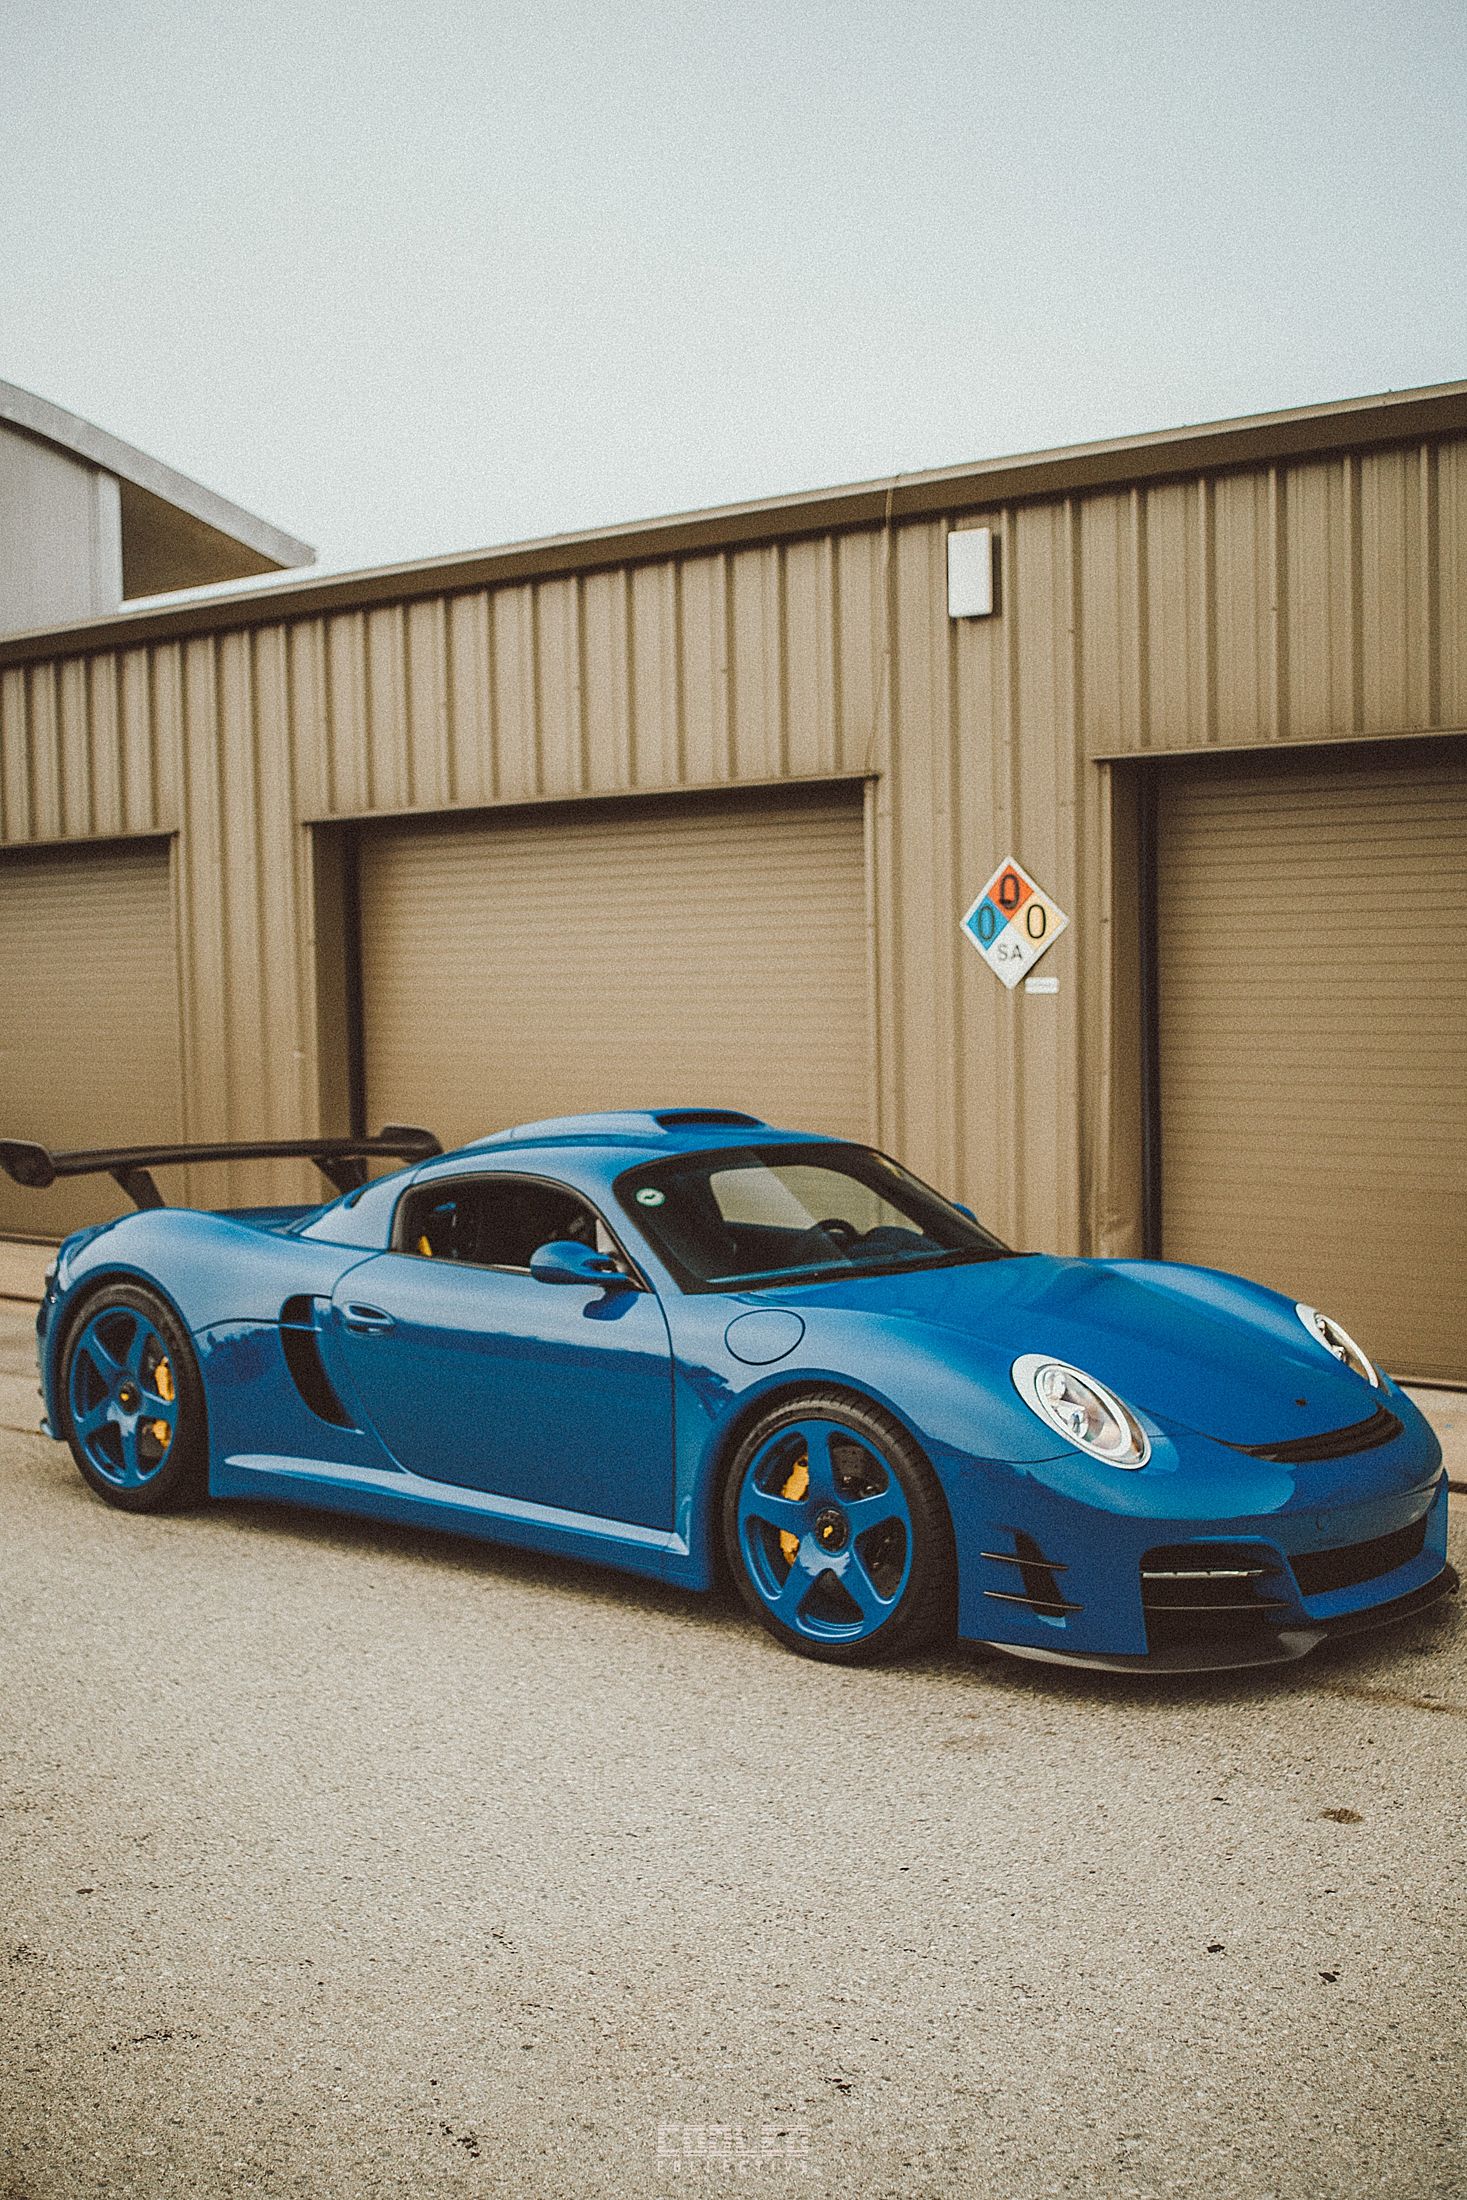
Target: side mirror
<point x="563" y="1261"/>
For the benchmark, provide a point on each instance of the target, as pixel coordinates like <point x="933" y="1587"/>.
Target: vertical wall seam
<point x="1430" y="591"/>
<point x="729" y="669"/>
<point x="119" y="751"/>
<point x="889" y="881"/>
<point x="837" y="654"/>
<point x="176" y="922"/>
<point x="1278" y="592"/>
<point x="84" y="736"/>
<point x="535" y="697"/>
<point x="1072" y="775"/>
<point x="150" y="745"/>
<point x="1207" y="636"/>
<point x="447" y="714"/>
<point x="679" y="697"/>
<point x="307" y="1015"/>
<point x="1141" y="612"/>
<point x="947" y="838"/>
<point x="875" y="976"/>
<point x="330" y="712"/>
<point x="782" y="659"/>
<point x="260" y="868"/>
<point x="368" y="733"/>
<point x="32" y="675"/>
<point x="630" y="750"/>
<point x="1011" y="721"/>
<point x="582" y="701"/>
<point x="490" y="763"/>
<point x="1355" y="589"/>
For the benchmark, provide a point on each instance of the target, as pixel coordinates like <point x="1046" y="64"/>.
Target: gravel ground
<point x="343" y="1860"/>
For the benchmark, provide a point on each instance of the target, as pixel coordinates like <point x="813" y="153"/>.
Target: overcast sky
<point x="415" y="278"/>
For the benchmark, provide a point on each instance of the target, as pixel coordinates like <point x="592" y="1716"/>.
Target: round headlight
<point x="1085" y="1413"/>
<point x="1338" y="1341"/>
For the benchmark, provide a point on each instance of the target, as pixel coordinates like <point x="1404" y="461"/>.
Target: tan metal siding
<point x="1294" y="598"/>
<point x="87" y="748"/>
<point x="89" y="1018"/>
<point x="695" y="952"/>
<point x="1313" y="1022"/>
<point x="1304" y="602"/>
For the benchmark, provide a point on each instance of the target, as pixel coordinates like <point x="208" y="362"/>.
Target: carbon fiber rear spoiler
<point x="342" y="1161"/>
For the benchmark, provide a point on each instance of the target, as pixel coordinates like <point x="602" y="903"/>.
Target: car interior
<point x="495" y="1222"/>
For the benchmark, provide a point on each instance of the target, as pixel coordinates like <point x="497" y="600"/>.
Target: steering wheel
<point x="836" y="1226"/>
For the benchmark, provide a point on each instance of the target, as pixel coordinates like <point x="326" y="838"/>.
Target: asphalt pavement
<point x="343" y="1860"/>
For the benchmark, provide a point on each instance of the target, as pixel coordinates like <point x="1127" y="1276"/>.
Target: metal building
<point x="693" y="809"/>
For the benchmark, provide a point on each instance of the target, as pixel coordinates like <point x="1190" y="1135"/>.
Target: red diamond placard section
<point x="1012" y="922"/>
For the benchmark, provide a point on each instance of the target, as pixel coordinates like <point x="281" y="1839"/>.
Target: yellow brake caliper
<point x="163" y="1384"/>
<point x="797" y="1485"/>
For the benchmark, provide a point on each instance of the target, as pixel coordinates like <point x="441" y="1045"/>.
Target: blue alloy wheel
<point x="123" y="1397"/>
<point x="134" y="1404"/>
<point x="837" y="1533"/>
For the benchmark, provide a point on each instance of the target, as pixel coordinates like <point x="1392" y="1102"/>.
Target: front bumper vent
<point x="1345" y="1567"/>
<point x="1032" y="1582"/>
<point x="1337" y="1443"/>
<point x="1194" y="1594"/>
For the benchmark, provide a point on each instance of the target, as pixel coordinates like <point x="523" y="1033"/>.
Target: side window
<point x="494" y="1222"/>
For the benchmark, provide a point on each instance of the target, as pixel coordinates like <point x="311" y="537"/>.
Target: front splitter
<point x="1278" y="1648"/>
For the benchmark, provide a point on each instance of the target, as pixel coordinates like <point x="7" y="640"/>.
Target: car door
<point x="473" y="1372"/>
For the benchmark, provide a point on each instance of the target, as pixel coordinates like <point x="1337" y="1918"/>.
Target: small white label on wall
<point x="970" y="573"/>
<point x="1041" y="985"/>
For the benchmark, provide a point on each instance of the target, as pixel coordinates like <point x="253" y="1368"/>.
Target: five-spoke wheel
<point x="836" y="1531"/>
<point x="133" y="1400"/>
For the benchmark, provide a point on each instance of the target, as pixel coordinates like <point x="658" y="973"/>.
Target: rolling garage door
<point x="1312" y="979"/>
<point x="89" y="1025"/>
<point x="700" y="951"/>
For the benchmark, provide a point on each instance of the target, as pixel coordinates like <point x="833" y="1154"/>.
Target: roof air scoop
<point x="673" y="1119"/>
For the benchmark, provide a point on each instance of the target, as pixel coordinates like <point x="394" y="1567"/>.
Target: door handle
<point x="366" y="1318"/>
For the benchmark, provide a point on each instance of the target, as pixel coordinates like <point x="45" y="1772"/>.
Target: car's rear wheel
<point x="134" y="1401"/>
<point x="837" y="1533"/>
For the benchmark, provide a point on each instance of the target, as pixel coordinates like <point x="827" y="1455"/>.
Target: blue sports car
<point x="682" y="1341"/>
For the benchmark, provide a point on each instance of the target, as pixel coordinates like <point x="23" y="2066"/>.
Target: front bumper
<point x="1204" y="1559"/>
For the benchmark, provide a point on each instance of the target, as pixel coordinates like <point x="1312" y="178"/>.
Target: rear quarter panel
<point x="223" y="1276"/>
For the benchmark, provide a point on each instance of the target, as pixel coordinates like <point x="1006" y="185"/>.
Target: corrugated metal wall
<point x="1318" y="600"/>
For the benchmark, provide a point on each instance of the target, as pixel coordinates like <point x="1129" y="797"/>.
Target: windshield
<point x="751" y="1215"/>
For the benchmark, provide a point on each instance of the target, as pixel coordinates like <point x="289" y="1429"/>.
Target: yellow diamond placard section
<point x="1012" y="922"/>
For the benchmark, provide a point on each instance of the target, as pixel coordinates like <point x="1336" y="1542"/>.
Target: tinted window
<point x="494" y="1222"/>
<point x="753" y="1215"/>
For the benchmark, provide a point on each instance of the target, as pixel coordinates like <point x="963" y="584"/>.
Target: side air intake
<point x="302" y="1349"/>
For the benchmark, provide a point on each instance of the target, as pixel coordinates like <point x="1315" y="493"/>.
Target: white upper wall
<point x="87" y="522"/>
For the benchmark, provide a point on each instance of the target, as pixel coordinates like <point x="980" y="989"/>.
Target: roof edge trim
<point x="1306" y="431"/>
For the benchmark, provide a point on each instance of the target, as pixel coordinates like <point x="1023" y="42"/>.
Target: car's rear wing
<point x="342" y="1161"/>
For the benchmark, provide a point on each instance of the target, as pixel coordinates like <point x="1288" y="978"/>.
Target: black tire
<point x="180" y="1477"/>
<point x="924" y="1609"/>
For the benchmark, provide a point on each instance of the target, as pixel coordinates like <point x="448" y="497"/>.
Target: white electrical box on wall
<point x="970" y="573"/>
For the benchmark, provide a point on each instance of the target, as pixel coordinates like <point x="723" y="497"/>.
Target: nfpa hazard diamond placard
<point x="1013" y="921"/>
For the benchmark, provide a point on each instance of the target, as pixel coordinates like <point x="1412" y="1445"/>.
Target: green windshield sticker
<point x="649" y="1196"/>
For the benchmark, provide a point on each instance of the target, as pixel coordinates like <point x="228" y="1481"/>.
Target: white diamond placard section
<point x="1012" y="922"/>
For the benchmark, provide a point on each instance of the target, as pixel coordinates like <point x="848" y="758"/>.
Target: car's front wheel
<point x="837" y="1533"/>
<point x="134" y="1401"/>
